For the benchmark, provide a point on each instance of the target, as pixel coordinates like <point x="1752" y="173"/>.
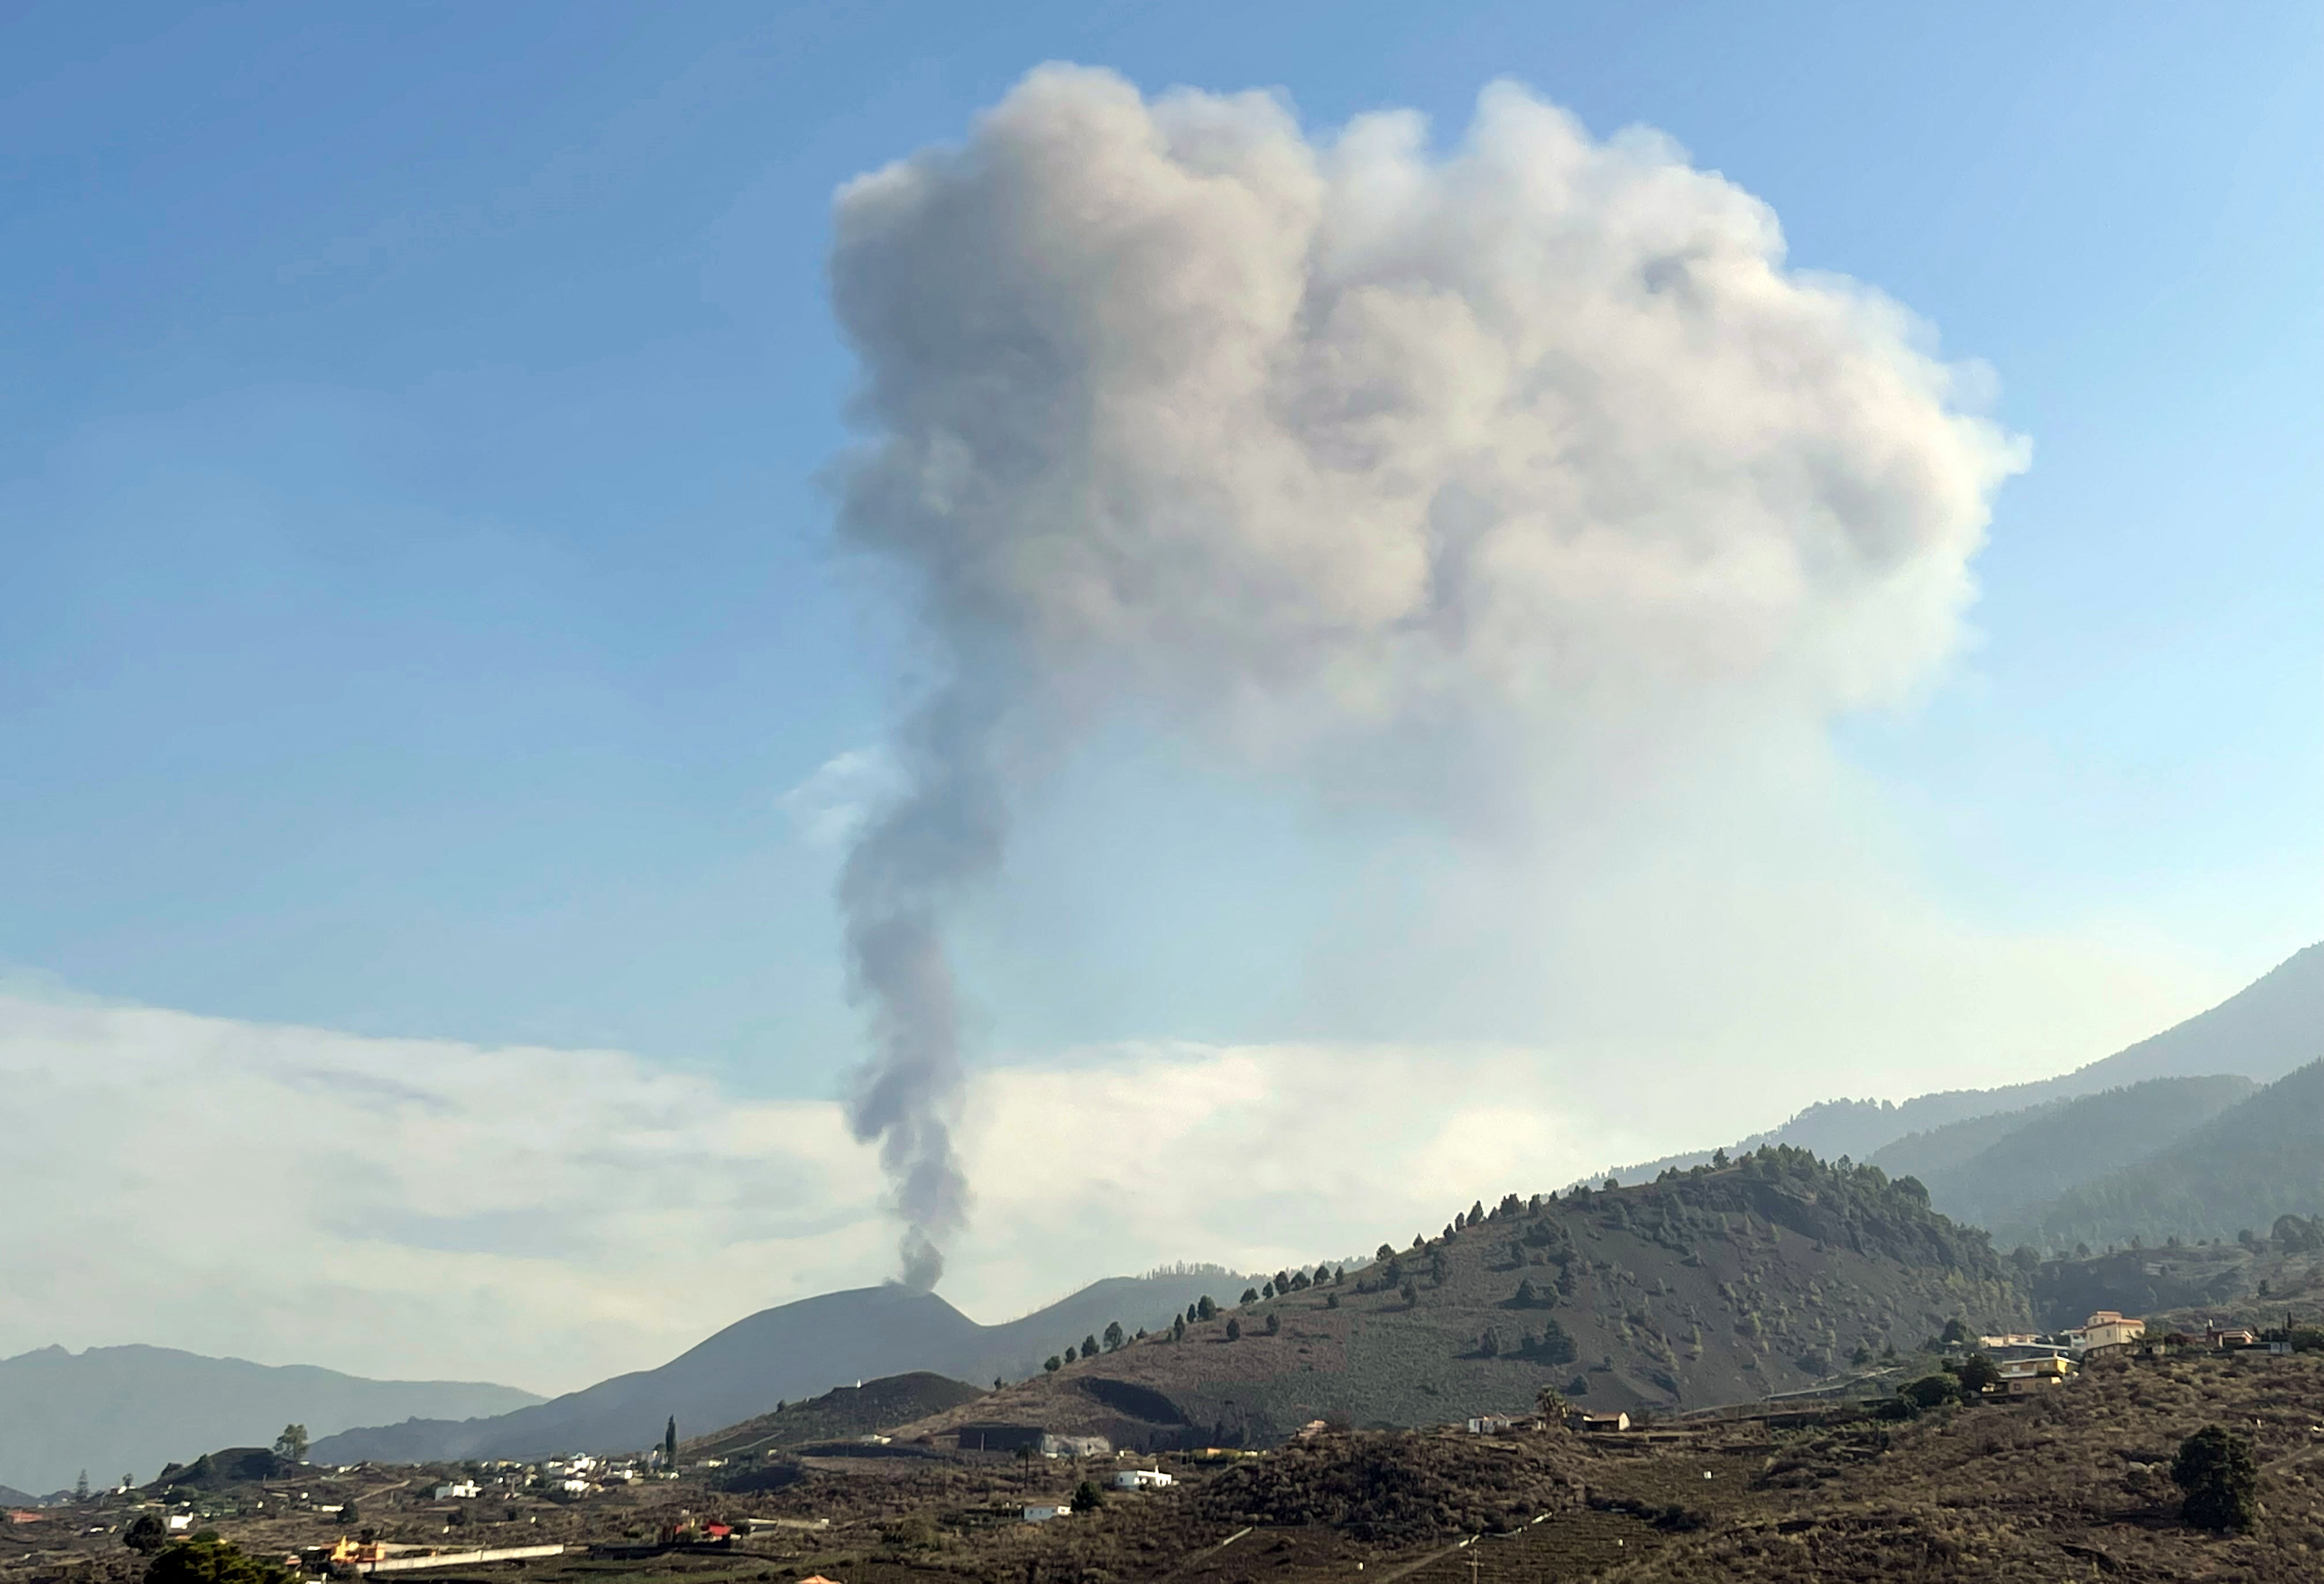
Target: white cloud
<point x="548" y="1218"/>
<point x="832" y="805"/>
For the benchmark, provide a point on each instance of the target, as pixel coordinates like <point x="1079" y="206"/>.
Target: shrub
<point x="1930" y="1391"/>
<point x="1234" y="1329"/>
<point x="211" y="1561"/>
<point x="1274" y="1324"/>
<point x="1087" y="1497"/>
<point x="146" y="1533"/>
<point x="2215" y="1469"/>
<point x="1977" y="1373"/>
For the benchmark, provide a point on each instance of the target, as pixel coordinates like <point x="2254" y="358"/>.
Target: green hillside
<point x="1707" y="1286"/>
<point x="2253" y="1162"/>
<point x="2064" y="1146"/>
<point x="1935" y="1152"/>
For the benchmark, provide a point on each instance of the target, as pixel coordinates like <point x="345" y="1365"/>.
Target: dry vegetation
<point x="2072" y="1483"/>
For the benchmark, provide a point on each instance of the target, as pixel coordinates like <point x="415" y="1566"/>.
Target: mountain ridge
<point x="136" y="1406"/>
<point x="791" y="1351"/>
<point x="2263" y="1032"/>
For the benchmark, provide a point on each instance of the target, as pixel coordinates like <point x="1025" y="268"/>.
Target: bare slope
<point x="1705" y="1287"/>
<point x="841" y="1413"/>
<point x="793" y="1351"/>
<point x="129" y="1410"/>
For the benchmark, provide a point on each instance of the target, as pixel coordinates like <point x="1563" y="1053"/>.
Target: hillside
<point x="2191" y="1284"/>
<point x="2262" y="1032"/>
<point x="1718" y="1286"/>
<point x="111" y="1410"/>
<point x="2076" y="1141"/>
<point x="1936" y="1152"/>
<point x="776" y="1354"/>
<point x="2252" y="1162"/>
<point x="841" y="1413"/>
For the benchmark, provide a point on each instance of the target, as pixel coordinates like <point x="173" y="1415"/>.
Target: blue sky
<point x="417" y="596"/>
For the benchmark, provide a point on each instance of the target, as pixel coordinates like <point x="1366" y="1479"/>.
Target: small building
<point x="1042" y="1515"/>
<point x="2106" y="1329"/>
<point x="179" y="1523"/>
<point x="2021" y="1376"/>
<point x="575" y="1487"/>
<point x="457" y="1490"/>
<point x="2231" y="1337"/>
<point x="1140" y="1479"/>
<point x="1489" y="1425"/>
<point x="1583" y="1421"/>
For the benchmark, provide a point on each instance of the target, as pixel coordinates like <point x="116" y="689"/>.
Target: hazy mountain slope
<point x="1709" y="1287"/>
<point x="1936" y="1151"/>
<point x="10" y="1496"/>
<point x="2253" y="1162"/>
<point x="129" y="1410"/>
<point x="2262" y="1032"/>
<point x="2078" y="1141"/>
<point x="797" y="1350"/>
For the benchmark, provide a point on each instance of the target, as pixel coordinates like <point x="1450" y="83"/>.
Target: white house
<point x="1140" y="1479"/>
<point x="575" y="1488"/>
<point x="179" y="1522"/>
<point x="458" y="1490"/>
<point x="1043" y="1515"/>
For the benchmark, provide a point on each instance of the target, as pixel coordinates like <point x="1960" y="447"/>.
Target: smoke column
<point x="1493" y="474"/>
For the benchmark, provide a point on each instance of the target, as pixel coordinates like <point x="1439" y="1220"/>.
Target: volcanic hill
<point x="1719" y="1284"/>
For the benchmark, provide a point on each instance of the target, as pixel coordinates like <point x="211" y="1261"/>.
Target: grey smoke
<point x="1506" y="468"/>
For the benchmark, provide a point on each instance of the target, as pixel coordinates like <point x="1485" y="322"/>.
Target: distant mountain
<point x="2262" y="1032"/>
<point x="793" y="1351"/>
<point x="2250" y="1164"/>
<point x="116" y="1410"/>
<point x="10" y="1496"/>
<point x="1938" y="1152"/>
<point x="1717" y="1286"/>
<point x="2060" y="1147"/>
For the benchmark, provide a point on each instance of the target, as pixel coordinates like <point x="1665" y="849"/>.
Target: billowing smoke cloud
<point x="1479" y="471"/>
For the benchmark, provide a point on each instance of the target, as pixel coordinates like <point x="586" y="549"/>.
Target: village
<point x="835" y="1505"/>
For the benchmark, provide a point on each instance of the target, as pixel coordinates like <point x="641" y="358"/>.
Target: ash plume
<point x="1495" y="477"/>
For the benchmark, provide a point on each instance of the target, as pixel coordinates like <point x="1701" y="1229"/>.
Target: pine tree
<point x="80" y="1487"/>
<point x="2215" y="1469"/>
